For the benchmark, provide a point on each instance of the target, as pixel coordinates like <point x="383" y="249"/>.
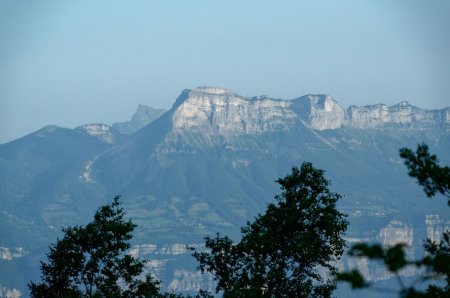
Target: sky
<point x="69" y="63"/>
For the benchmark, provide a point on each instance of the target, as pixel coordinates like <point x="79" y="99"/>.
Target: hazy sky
<point x="74" y="62"/>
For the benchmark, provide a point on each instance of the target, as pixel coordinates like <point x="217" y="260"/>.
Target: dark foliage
<point x="90" y="261"/>
<point x="287" y="251"/>
<point x="436" y="264"/>
<point x="425" y="168"/>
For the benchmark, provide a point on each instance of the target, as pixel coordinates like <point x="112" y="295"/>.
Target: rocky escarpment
<point x="143" y="116"/>
<point x="435" y="227"/>
<point x="323" y="112"/>
<point x="213" y="110"/>
<point x="377" y="116"/>
<point x="100" y="131"/>
<point x="10" y="293"/>
<point x="320" y="111"/>
<point x="396" y="232"/>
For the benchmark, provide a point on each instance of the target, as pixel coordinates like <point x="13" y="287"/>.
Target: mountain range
<point x="208" y="165"/>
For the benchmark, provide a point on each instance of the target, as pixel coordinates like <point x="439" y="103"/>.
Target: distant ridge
<point x="220" y="109"/>
<point x="143" y="116"/>
<point x="208" y="165"/>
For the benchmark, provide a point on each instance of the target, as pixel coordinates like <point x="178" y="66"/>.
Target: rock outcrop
<point x="396" y="232"/>
<point x="100" y="131"/>
<point x="143" y="116"/>
<point x="320" y="111"/>
<point x="435" y="227"/>
<point x="216" y="110"/>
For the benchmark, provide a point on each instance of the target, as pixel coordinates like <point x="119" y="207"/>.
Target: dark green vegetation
<point x="435" y="265"/>
<point x="287" y="251"/>
<point x="425" y="168"/>
<point x="90" y="261"/>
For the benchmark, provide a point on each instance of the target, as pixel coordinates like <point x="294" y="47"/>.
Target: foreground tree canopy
<point x="90" y="261"/>
<point x="435" y="266"/>
<point x="289" y="250"/>
<point x="426" y="169"/>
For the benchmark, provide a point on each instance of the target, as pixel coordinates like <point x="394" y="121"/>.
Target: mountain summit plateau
<point x="212" y="109"/>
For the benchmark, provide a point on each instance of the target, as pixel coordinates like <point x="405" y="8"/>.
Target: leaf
<point x="374" y="251"/>
<point x="353" y="277"/>
<point x="395" y="258"/>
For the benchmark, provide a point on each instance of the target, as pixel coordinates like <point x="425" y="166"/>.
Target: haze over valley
<point x="208" y="165"/>
<point x="192" y="110"/>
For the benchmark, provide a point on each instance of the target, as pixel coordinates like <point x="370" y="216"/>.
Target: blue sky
<point x="74" y="62"/>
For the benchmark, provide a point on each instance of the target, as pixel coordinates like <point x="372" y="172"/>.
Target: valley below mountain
<point x="209" y="165"/>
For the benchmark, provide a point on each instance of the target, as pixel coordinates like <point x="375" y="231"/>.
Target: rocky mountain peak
<point x="46" y="129"/>
<point x="143" y="116"/>
<point x="141" y="109"/>
<point x="214" y="110"/>
<point x="100" y="131"/>
<point x="322" y="101"/>
<point x="211" y="90"/>
<point x="403" y="103"/>
<point x="319" y="111"/>
<point x="402" y="115"/>
<point x="202" y="91"/>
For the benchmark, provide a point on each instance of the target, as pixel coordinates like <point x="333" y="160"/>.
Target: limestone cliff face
<point x="323" y="112"/>
<point x="164" y="260"/>
<point x="100" y="131"/>
<point x="10" y="293"/>
<point x="219" y="111"/>
<point x="192" y="281"/>
<point x="377" y="116"/>
<point x="435" y="227"/>
<point x="396" y="232"/>
<point x="320" y="111"/>
<point x="8" y="254"/>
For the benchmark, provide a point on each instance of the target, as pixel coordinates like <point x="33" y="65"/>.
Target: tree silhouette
<point x="436" y="264"/>
<point x="91" y="261"/>
<point x="286" y="252"/>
